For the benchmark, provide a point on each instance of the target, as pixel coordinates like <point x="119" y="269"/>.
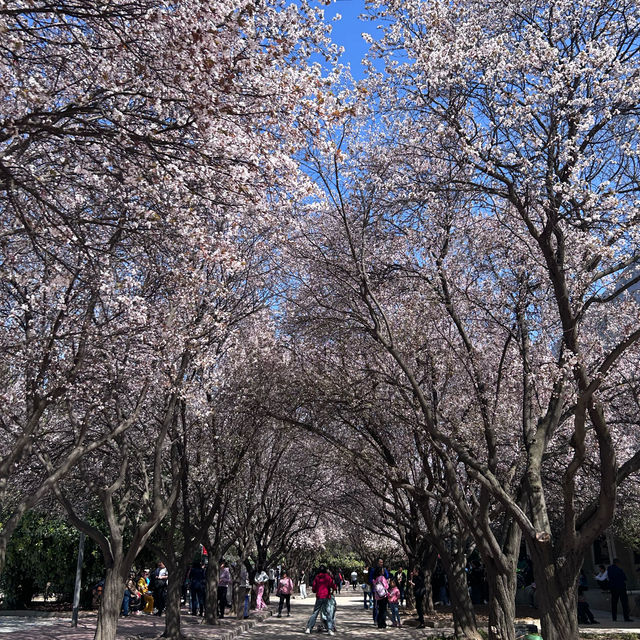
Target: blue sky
<point x="346" y="32"/>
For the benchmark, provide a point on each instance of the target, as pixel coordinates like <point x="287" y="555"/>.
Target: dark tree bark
<point x="502" y="603"/>
<point x="211" y="609"/>
<point x="464" y="618"/>
<point x="111" y="601"/>
<point x="172" y="619"/>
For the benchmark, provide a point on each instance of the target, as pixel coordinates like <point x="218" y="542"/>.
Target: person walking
<point x="354" y="580"/>
<point x="419" y="592"/>
<point x="323" y="586"/>
<point x="366" y="588"/>
<point x="337" y="578"/>
<point x="401" y="581"/>
<point x="618" y="589"/>
<point x="272" y="581"/>
<point x="197" y="586"/>
<point x="284" y="591"/>
<point x="224" y="581"/>
<point x="261" y="580"/>
<point x="381" y="593"/>
<point x="303" y="585"/>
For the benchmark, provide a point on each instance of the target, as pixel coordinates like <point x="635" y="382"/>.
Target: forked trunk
<point x="556" y="594"/>
<point x="558" y="606"/>
<point x="172" y="619"/>
<point x="110" y="605"/>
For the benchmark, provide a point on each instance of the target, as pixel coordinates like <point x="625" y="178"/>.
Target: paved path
<point x="354" y="621"/>
<point x="144" y="626"/>
<point x="351" y="620"/>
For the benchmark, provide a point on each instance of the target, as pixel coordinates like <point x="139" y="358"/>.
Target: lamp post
<point x="76" y="590"/>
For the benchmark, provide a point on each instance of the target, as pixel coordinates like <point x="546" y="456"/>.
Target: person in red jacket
<point x="323" y="586"/>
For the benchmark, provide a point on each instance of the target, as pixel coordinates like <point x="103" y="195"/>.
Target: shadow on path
<point x="352" y="620"/>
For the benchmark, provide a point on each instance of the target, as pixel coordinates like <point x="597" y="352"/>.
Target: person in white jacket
<point x="602" y="577"/>
<point x="261" y="580"/>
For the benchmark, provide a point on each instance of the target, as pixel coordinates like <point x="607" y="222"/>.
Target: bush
<point x="41" y="557"/>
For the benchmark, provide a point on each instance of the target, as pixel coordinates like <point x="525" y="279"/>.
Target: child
<point x="368" y="595"/>
<point x="329" y="614"/>
<point x="394" y="602"/>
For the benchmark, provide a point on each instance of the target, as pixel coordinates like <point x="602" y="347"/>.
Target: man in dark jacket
<point x="618" y="589"/>
<point x="419" y="591"/>
<point x="159" y="581"/>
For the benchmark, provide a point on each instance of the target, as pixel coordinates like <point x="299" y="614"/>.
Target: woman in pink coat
<point x="285" y="589"/>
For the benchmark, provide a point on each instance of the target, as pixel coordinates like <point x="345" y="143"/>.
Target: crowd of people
<point x="146" y="591"/>
<point x="384" y="594"/>
<point x="384" y="591"/>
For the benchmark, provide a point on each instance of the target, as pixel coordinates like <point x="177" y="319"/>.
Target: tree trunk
<point x="238" y="599"/>
<point x="4" y="540"/>
<point x="557" y="593"/>
<point x="211" y="608"/>
<point x="464" y="618"/>
<point x="176" y="562"/>
<point x="502" y="604"/>
<point x="172" y="619"/>
<point x="503" y="581"/>
<point x="110" y="604"/>
<point x="559" y="615"/>
<point x="429" y="562"/>
<point x="428" y="597"/>
<point x="253" y="600"/>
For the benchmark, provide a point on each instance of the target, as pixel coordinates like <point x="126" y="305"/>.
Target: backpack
<point x="381" y="592"/>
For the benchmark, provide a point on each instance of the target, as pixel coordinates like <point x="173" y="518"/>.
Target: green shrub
<point x="41" y="556"/>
